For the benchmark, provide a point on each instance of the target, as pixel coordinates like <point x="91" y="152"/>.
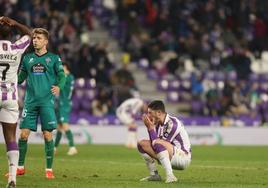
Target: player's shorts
<point x="63" y="114"/>
<point x="30" y="116"/>
<point x="9" y="111"/>
<point x="124" y="117"/>
<point x="180" y="160"/>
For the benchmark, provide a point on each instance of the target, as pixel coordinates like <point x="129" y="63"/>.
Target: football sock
<point x="70" y="138"/>
<point x="150" y="163"/>
<point x="49" y="150"/>
<point x="163" y="157"/>
<point x="22" y="151"/>
<point x="58" y="138"/>
<point x="13" y="157"/>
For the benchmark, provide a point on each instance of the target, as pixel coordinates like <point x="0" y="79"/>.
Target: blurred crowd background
<point x="210" y="54"/>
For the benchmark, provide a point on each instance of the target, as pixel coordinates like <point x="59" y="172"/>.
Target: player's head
<point x="40" y="38"/>
<point x="156" y="110"/>
<point x="5" y="31"/>
<point x="66" y="67"/>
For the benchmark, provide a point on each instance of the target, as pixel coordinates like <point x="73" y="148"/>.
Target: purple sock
<point x="158" y="148"/>
<point x="140" y="148"/>
<point x="152" y="134"/>
<point x="12" y="146"/>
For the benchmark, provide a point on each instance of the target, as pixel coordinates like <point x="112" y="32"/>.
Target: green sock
<point x="58" y="138"/>
<point x="49" y="150"/>
<point x="70" y="138"/>
<point x="22" y="151"/>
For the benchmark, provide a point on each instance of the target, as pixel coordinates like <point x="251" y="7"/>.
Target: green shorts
<point x="63" y="114"/>
<point x="30" y="116"/>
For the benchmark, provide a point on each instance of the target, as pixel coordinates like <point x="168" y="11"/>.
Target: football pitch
<point x="111" y="166"/>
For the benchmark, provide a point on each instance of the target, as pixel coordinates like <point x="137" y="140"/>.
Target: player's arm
<point x="61" y="82"/>
<point x="23" y="71"/>
<point x="23" y="29"/>
<point x="150" y="128"/>
<point x="61" y="78"/>
<point x="22" y="76"/>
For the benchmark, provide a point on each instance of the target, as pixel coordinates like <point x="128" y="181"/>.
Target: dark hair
<point x="157" y="105"/>
<point x="5" y="31"/>
<point x="67" y="64"/>
<point x="41" y="31"/>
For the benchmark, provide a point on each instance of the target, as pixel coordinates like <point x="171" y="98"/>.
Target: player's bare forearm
<point x="23" y="29"/>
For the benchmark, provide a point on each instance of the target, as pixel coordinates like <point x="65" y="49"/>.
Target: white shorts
<point x="9" y="111"/>
<point x="124" y="117"/>
<point x="180" y="160"/>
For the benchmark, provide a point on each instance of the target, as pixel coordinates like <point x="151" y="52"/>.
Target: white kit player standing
<point x="10" y="57"/>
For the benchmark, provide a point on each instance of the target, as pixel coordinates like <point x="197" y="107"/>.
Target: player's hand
<point x="55" y="90"/>
<point x="147" y="121"/>
<point x="7" y="20"/>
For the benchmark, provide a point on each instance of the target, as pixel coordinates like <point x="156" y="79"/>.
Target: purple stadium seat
<point x="219" y="76"/>
<point x="197" y="107"/>
<point x="253" y="77"/>
<point x="174" y="85"/>
<point x="79" y="83"/>
<point x="152" y="74"/>
<point x="263" y="78"/>
<point x="90" y="83"/>
<point x="231" y="76"/>
<point x="73" y="118"/>
<point x="143" y="63"/>
<point x="162" y="85"/>
<point x="173" y="96"/>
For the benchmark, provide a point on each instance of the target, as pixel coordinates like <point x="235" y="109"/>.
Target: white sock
<point x="150" y="163"/>
<point x="165" y="162"/>
<point x="48" y="169"/>
<point x="13" y="159"/>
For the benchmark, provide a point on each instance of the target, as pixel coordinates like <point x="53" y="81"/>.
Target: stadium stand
<point x="215" y="63"/>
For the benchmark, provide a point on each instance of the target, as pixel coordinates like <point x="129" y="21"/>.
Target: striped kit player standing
<point x="10" y="56"/>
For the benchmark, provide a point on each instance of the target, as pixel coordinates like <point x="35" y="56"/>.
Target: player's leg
<point x="49" y="123"/>
<point x="28" y="122"/>
<point x="49" y="150"/>
<point x="64" y="119"/>
<point x="58" y="137"/>
<point x="8" y="117"/>
<point x="23" y="146"/>
<point x="69" y="135"/>
<point x="132" y="135"/>
<point x="9" y="131"/>
<point x="164" y="152"/>
<point x="148" y="154"/>
<point x="126" y="119"/>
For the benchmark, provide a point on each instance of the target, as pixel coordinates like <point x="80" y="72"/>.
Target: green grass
<point x="110" y="166"/>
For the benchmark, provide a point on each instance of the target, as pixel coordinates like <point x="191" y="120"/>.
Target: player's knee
<point x="158" y="147"/>
<point x="140" y="146"/>
<point x="47" y="135"/>
<point x="24" y="135"/>
<point x="65" y="127"/>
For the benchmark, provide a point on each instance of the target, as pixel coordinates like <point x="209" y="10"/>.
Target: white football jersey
<point x="10" y="57"/>
<point x="131" y="106"/>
